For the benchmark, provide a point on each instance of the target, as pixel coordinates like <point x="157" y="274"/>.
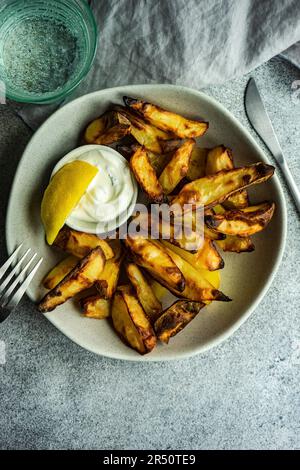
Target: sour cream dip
<point x="110" y="198"/>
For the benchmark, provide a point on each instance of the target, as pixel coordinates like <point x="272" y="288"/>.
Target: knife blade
<point x="261" y="123"/>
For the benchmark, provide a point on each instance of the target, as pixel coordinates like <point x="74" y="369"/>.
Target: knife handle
<point x="291" y="183"/>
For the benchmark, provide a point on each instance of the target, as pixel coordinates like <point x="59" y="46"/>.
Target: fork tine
<point x="7" y="264"/>
<point x="18" y="279"/>
<point x="22" y="289"/>
<point x="13" y="272"/>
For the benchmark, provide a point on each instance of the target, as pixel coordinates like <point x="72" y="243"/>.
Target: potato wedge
<point x="218" y="159"/>
<point x="107" y="129"/>
<point x="212" y="234"/>
<point x="146" y="176"/>
<point x="175" y="318"/>
<point x="188" y="240"/>
<point x="208" y="256"/>
<point x="177" y="167"/>
<point x="199" y="262"/>
<point x="95" y="306"/>
<point x="147" y="135"/>
<point x="82" y="277"/>
<point x="159" y="290"/>
<point x="94" y="130"/>
<point x="214" y="189"/>
<point x="197" y="164"/>
<point x="144" y="292"/>
<point x="184" y="237"/>
<point x="114" y="134"/>
<point x="107" y="282"/>
<point x="166" y="120"/>
<point x="124" y="326"/>
<point x="169" y="146"/>
<point x="232" y="243"/>
<point x="80" y="244"/>
<point x="59" y="272"/>
<point x="242" y="222"/>
<point x="221" y="159"/>
<point x="158" y="162"/>
<point x="116" y="247"/>
<point x="190" y="218"/>
<point x="131" y="322"/>
<point x="197" y="287"/>
<point x="213" y="277"/>
<point x="155" y="259"/>
<point x="236" y="244"/>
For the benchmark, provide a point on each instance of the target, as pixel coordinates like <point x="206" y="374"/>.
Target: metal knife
<point x="261" y="123"/>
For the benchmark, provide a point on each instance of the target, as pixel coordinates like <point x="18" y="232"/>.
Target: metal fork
<point x="16" y="281"/>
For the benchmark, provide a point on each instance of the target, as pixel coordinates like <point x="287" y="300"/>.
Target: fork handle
<point x="291" y="183"/>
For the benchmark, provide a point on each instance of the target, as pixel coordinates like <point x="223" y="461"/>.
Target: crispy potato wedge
<point x="187" y="239"/>
<point x="59" y="272"/>
<point x="169" y="146"/>
<point x="131" y="322"/>
<point x="144" y="292"/>
<point x="155" y="259"/>
<point x="82" y="277"/>
<point x="236" y="244"/>
<point x="116" y="247"/>
<point x="94" y="130"/>
<point x="233" y="243"/>
<point x="208" y="256"/>
<point x="80" y="244"/>
<point x="166" y="120"/>
<point x="107" y="282"/>
<point x="190" y="218"/>
<point x="159" y="290"/>
<point x="95" y="306"/>
<point x="214" y="189"/>
<point x="177" y="167"/>
<point x="211" y="276"/>
<point x="107" y="129"/>
<point x="114" y="134"/>
<point x="158" y="162"/>
<point x="146" y="176"/>
<point x="197" y="164"/>
<point x="242" y="222"/>
<point x="197" y="287"/>
<point x="124" y="326"/>
<point x="212" y="234"/>
<point x="221" y="159"/>
<point x="218" y="159"/>
<point x="147" y="135"/>
<point x="175" y="318"/>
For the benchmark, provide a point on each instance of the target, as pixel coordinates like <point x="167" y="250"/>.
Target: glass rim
<point x="51" y="97"/>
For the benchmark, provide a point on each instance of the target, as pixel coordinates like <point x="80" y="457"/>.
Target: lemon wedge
<point x="63" y="193"/>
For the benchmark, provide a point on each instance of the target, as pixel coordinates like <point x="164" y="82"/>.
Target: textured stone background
<point x="242" y="394"/>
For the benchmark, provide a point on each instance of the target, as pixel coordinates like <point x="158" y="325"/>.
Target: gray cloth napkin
<point x="194" y="43"/>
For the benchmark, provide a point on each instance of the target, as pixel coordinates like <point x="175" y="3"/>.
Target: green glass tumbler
<point x="47" y="47"/>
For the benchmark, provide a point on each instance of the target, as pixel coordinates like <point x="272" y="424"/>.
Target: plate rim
<point x="219" y="338"/>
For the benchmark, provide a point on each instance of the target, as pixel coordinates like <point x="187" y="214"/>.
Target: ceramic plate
<point x="245" y="278"/>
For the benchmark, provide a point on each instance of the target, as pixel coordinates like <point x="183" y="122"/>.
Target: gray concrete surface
<point x="243" y="394"/>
